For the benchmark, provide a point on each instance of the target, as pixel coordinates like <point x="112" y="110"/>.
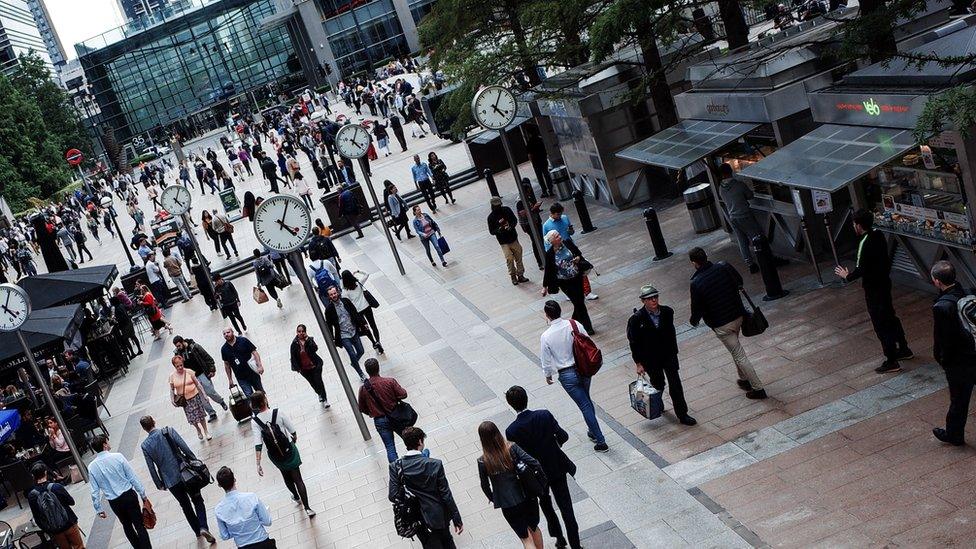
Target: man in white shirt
<point x="557" y="359"/>
<point x="241" y="516"/>
<point x="156" y="282"/>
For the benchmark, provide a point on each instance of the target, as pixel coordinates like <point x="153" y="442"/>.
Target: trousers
<point x="211" y="393"/>
<point x="354" y="348"/>
<point x="181" y="285"/>
<point x="745" y="228"/>
<point x="728" y="334"/>
<point x="427" y="190"/>
<point x="314" y="378"/>
<point x="961" y="380"/>
<point x="194" y="509"/>
<point x="573" y="288"/>
<point x="69" y="539"/>
<point x="559" y="490"/>
<point x="578" y="389"/>
<point x="436" y="538"/>
<point x="129" y="512"/>
<point x="657" y="377"/>
<point x="886" y="324"/>
<point x="513" y="259"/>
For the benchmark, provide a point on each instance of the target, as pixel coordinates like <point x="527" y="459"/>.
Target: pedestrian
<point x="225" y="231"/>
<point x="382" y="137"/>
<point x="559" y="221"/>
<point x="304" y="190"/>
<point x="363" y="300"/>
<point x="174" y="268"/>
<point x="157" y="321"/>
<point x="873" y="267"/>
<point x="230" y="303"/>
<point x="266" y="275"/>
<point x="736" y="194"/>
<point x="196" y="358"/>
<point x="564" y="271"/>
<point x="281" y="265"/>
<point x="80" y="240"/>
<point x="68" y="241"/>
<point x="954" y="350"/>
<point x="165" y="450"/>
<point x="110" y="474"/>
<point x="124" y="325"/>
<point x="320" y="246"/>
<point x="306" y="361"/>
<point x="349" y="208"/>
<point x="429" y="233"/>
<point x="501" y="485"/>
<point x="715" y="299"/>
<point x="346" y="323"/>
<point x="186" y="392"/>
<point x="398" y="210"/>
<point x="237" y="353"/>
<point x="50" y="506"/>
<point x="501" y="224"/>
<point x="539" y="434"/>
<point x="207" y="221"/>
<point x="442" y="181"/>
<point x="270" y="172"/>
<point x="422" y="177"/>
<point x="377" y="397"/>
<point x="535" y="147"/>
<point x="397" y="126"/>
<point x="274" y="433"/>
<point x="424" y="477"/>
<point x="654" y="348"/>
<point x="241" y="516"/>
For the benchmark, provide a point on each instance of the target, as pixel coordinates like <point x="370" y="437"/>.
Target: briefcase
<point x="645" y="399"/>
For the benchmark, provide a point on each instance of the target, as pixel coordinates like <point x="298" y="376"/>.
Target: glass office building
<point x="186" y="72"/>
<point x="363" y="34"/>
<point x="18" y="35"/>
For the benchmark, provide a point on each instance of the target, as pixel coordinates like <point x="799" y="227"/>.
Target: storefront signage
<point x="798" y="202"/>
<point x="885" y="110"/>
<point x="822" y="203"/>
<point x="743" y="106"/>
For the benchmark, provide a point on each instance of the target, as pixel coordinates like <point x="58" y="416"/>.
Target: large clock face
<point x="352" y="140"/>
<point x="494" y="107"/>
<point x="14" y="307"/>
<point x="176" y="199"/>
<point x="283" y="223"/>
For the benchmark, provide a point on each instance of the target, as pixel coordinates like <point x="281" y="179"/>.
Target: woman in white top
<point x="304" y="191"/>
<point x="352" y="288"/>
<point x="290" y="465"/>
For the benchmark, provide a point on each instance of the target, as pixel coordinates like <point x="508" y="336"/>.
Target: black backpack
<point x="52" y="516"/>
<point x="276" y="442"/>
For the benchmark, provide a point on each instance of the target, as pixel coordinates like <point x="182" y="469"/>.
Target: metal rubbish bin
<point x="701" y="208"/>
<point x="561" y="182"/>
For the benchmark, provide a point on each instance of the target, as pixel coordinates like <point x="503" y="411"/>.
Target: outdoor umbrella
<point x="64" y="287"/>
<point x="9" y="421"/>
<point x="44" y="330"/>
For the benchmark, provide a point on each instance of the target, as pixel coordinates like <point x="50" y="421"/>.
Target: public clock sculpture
<point x="494" y="107"/>
<point x="176" y="199"/>
<point x="353" y="141"/>
<point x="283" y="223"/>
<point x="14" y="307"/>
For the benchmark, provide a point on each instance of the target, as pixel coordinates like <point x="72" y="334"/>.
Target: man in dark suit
<point x="538" y="433"/>
<point x="654" y="347"/>
<point x="954" y="350"/>
<point x="426" y="479"/>
<point x="874" y="268"/>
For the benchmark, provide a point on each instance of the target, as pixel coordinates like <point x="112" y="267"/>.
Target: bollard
<point x="767" y="268"/>
<point x="490" y="180"/>
<point x="582" y="212"/>
<point x="657" y="238"/>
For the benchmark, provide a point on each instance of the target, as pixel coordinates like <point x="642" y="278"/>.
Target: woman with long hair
<point x="429" y="233"/>
<point x="207" y="220"/>
<point x="442" y="181"/>
<point x="353" y="290"/>
<point x="500" y="483"/>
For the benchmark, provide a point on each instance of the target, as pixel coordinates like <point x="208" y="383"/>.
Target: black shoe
<point x="744" y="384"/>
<point x="888" y="366"/>
<point x="213" y="418"/>
<point x="379" y="349"/>
<point x="753" y="268"/>
<point x="515" y="281"/>
<point x="409" y="236"/>
<point x="561" y="542"/>
<point x="321" y="398"/>
<point x="942" y="435"/>
<point x="523" y="279"/>
<point x="905" y="353"/>
<point x="590" y="436"/>
<point x="756" y="394"/>
<point x="224" y="406"/>
<point x="601" y="447"/>
<point x="687" y="420"/>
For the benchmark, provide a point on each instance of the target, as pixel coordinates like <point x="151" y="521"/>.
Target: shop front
<point x="866" y="149"/>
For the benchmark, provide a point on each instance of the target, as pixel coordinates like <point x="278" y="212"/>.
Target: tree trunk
<point x="529" y="66"/>
<point x="882" y="45"/>
<point x="736" y="29"/>
<point x="658" y="83"/>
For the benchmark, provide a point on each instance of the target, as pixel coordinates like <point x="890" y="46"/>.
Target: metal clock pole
<point x="107" y="203"/>
<point x="187" y="223"/>
<point x="386" y="228"/>
<point x="534" y="232"/>
<point x="297" y="265"/>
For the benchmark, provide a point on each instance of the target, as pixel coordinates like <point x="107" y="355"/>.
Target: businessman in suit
<point x="426" y="479"/>
<point x="539" y="434"/>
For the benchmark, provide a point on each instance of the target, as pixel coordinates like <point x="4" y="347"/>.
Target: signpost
<point x="74" y="159"/>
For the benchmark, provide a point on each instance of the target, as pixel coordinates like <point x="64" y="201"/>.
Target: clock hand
<point x="5" y="303"/>
<point x="497" y="99"/>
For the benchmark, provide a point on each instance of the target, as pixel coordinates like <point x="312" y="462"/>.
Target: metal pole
<point x="295" y="259"/>
<point x="49" y="398"/>
<point x="830" y="238"/>
<point x="386" y="229"/>
<point x="536" y="237"/>
<point x="196" y="249"/>
<point x="118" y="230"/>
<point x="813" y="256"/>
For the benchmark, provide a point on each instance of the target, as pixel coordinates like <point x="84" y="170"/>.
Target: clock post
<point x="107" y="203"/>
<point x="204" y="264"/>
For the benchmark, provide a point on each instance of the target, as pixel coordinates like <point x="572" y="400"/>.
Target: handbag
<point x="533" y="479"/>
<point x="407" y="517"/>
<point x="442" y="244"/>
<point x="148" y="515"/>
<point x="180" y="400"/>
<point x="259" y="295"/>
<point x="754" y="322"/>
<point x="194" y="473"/>
<point x="370" y="298"/>
<point x="645" y="399"/>
<point x="400" y="417"/>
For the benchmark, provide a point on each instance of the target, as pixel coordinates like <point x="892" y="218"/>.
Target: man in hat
<point x="654" y="347"/>
<point x="502" y="223"/>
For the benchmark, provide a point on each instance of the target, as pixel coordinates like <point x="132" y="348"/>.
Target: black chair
<point x="35" y="540"/>
<point x="17" y="478"/>
<point x="95" y="389"/>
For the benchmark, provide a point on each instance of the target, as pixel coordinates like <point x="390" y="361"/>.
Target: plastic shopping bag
<point x="645" y="399"/>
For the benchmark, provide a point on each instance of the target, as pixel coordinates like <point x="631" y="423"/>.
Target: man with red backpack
<point x="569" y="353"/>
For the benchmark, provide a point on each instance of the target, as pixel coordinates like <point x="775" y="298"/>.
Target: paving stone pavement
<point x="838" y="456"/>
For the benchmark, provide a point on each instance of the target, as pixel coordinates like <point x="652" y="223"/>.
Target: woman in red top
<point x="153" y="312"/>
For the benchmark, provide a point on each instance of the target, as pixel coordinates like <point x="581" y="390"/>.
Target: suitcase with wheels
<point x="240" y="406"/>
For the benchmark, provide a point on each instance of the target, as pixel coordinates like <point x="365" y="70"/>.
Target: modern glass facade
<point x="19" y="34"/>
<point x="362" y="34"/>
<point x="420" y="8"/>
<point x="52" y="42"/>
<point x="179" y="75"/>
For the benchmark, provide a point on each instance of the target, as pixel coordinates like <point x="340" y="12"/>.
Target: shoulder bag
<point x="754" y="322"/>
<point x="532" y="479"/>
<point x="400" y="417"/>
<point x="407" y="517"/>
<point x="370" y="298"/>
<point x="194" y="473"/>
<point x="180" y="400"/>
<point x="588" y="357"/>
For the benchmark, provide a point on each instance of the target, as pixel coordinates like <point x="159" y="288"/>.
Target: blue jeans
<point x="432" y="241"/>
<point x="250" y="384"/>
<point x="354" y="347"/>
<point x="578" y="389"/>
<point x="382" y="425"/>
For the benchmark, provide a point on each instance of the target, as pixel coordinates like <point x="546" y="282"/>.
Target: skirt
<point x="292" y="463"/>
<point x="195" y="411"/>
<point x="158" y="324"/>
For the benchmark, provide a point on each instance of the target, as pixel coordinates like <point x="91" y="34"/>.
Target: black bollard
<point x="582" y="212"/>
<point x="657" y="237"/>
<point x="767" y="268"/>
<point x="490" y="180"/>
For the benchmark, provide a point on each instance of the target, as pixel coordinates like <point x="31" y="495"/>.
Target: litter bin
<point x="560" y="180"/>
<point x="701" y="208"/>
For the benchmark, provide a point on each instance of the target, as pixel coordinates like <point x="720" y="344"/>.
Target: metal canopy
<point x="831" y="156"/>
<point x="685" y="143"/>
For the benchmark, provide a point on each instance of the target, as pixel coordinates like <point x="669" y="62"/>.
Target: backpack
<point x="323" y="279"/>
<point x="265" y="269"/>
<point x="53" y="517"/>
<point x="589" y="357"/>
<point x="276" y="443"/>
<point x="407" y="516"/>
<point x="966" y="306"/>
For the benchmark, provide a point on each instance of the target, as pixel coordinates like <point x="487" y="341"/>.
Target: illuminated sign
<point x="871" y="107"/>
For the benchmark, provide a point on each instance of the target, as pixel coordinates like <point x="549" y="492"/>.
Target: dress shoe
<point x="744" y="384"/>
<point x="756" y="394"/>
<point x="561" y="542"/>
<point x="905" y="353"/>
<point x="688" y="420"/>
<point x="942" y="435"/>
<point x="888" y="366"/>
<point x="208" y="536"/>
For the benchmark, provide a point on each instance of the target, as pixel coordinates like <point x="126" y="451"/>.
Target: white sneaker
<point x="310" y="513"/>
<point x="592" y="297"/>
<point x="209" y="436"/>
